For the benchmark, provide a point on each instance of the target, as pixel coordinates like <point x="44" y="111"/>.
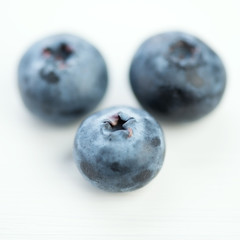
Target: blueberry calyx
<point x="61" y="53"/>
<point x="118" y="122"/>
<point x="184" y="53"/>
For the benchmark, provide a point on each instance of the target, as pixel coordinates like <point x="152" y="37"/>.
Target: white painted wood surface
<point x="196" y="196"/>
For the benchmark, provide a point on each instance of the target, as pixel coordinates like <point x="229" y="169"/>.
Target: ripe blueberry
<point x="62" y="77"/>
<point x="119" y="149"/>
<point x="177" y="77"/>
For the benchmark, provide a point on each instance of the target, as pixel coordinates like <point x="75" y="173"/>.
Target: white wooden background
<point x="196" y="195"/>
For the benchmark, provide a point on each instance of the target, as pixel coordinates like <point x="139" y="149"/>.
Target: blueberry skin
<point x="61" y="78"/>
<point x="119" y="149"/>
<point x="177" y="77"/>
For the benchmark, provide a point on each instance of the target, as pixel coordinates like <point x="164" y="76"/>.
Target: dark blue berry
<point x="61" y="78"/>
<point x="177" y="77"/>
<point x="119" y="149"/>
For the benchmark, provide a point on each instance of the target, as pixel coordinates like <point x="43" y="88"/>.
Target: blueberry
<point x="62" y="77"/>
<point x="119" y="149"/>
<point x="177" y="77"/>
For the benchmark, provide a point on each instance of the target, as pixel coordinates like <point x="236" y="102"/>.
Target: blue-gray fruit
<point x="119" y="149"/>
<point x="62" y="77"/>
<point x="177" y="77"/>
